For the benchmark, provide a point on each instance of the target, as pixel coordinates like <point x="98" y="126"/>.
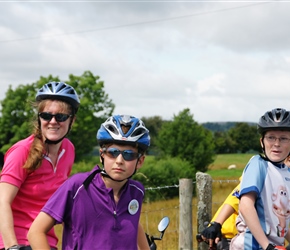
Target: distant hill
<point x="222" y="126"/>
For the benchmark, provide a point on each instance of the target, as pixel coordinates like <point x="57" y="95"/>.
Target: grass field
<point x="219" y="169"/>
<point x="153" y="212"/>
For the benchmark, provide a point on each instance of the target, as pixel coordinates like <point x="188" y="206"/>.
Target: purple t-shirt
<point x="92" y="219"/>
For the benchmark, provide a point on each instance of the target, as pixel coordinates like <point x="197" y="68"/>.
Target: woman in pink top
<point x="36" y="166"/>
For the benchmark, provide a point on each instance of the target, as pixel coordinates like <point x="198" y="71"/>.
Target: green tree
<point x="160" y="173"/>
<point x="16" y="115"/>
<point x="16" y="112"/>
<point x="223" y="143"/>
<point x="245" y="137"/>
<point x="185" y="138"/>
<point x="154" y="124"/>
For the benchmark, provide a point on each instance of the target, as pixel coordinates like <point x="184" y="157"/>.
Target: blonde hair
<point x="37" y="149"/>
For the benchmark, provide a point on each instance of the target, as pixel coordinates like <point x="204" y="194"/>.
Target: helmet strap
<point x="53" y="142"/>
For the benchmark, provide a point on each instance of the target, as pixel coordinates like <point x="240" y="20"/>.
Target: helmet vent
<point x="49" y="85"/>
<point x="271" y="116"/>
<point x="137" y="132"/>
<point x="112" y="129"/>
<point x="125" y="129"/>
<point x="278" y="116"/>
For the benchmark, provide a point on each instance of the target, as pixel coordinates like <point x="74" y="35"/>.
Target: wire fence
<point x="153" y="212"/>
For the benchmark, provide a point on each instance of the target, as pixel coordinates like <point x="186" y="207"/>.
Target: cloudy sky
<point x="224" y="60"/>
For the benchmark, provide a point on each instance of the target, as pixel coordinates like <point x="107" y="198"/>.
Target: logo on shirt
<point x="236" y="193"/>
<point x="133" y="206"/>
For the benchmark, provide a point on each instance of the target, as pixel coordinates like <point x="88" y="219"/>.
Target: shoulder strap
<point x="89" y="179"/>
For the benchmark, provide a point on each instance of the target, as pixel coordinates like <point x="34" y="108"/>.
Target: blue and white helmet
<point x="59" y="91"/>
<point x="124" y="129"/>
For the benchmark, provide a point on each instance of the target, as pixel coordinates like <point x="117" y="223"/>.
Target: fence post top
<point x="201" y="174"/>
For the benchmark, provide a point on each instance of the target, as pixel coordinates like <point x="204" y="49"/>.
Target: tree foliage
<point x="153" y="124"/>
<point x="17" y="111"/>
<point x="223" y="143"/>
<point x="219" y="126"/>
<point x="234" y="137"/>
<point x="245" y="138"/>
<point x="162" y="172"/>
<point x="185" y="138"/>
<point x="16" y="115"/>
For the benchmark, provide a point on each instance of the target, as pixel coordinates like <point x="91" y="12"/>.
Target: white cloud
<point x="225" y="61"/>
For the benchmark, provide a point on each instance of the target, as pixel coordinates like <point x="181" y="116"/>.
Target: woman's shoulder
<point x="20" y="148"/>
<point x="26" y="142"/>
<point x="67" y="143"/>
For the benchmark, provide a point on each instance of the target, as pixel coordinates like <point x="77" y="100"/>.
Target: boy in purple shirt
<point x="100" y="209"/>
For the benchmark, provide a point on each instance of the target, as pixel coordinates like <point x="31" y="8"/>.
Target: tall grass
<point x="152" y="212"/>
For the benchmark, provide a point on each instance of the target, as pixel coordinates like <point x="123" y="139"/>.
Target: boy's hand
<point x="274" y="247"/>
<point x="213" y="231"/>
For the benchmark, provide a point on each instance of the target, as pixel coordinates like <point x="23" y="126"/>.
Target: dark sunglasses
<point x="58" y="117"/>
<point x="128" y="155"/>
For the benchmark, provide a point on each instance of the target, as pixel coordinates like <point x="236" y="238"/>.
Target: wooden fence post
<point x="204" y="203"/>
<point x="185" y="214"/>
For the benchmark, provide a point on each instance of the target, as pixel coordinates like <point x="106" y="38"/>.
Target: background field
<point x="224" y="182"/>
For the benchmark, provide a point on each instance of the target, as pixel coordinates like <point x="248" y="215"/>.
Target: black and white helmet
<point x="59" y="91"/>
<point x="276" y="119"/>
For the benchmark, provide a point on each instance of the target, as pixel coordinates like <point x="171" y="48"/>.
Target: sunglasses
<point x="128" y="155"/>
<point x="59" y="117"/>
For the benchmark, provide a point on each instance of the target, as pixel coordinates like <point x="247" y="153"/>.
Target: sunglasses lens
<point x="46" y="116"/>
<point x="61" y="117"/>
<point x="113" y="152"/>
<point x="128" y="155"/>
<point x="58" y="117"/>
